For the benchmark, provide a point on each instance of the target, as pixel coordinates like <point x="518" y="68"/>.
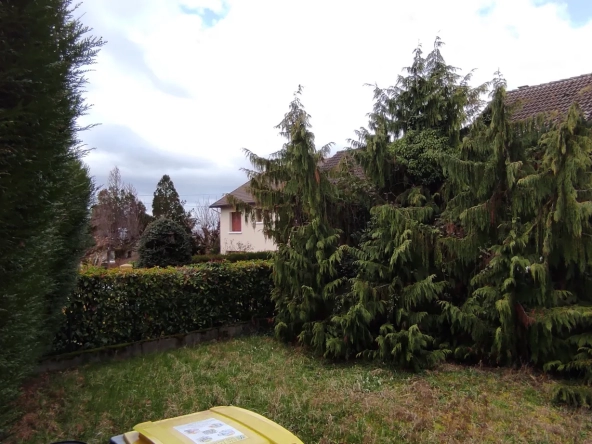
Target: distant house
<point x="553" y="98"/>
<point x="236" y="234"/>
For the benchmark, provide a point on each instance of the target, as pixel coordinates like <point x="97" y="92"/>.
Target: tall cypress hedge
<point x="44" y="186"/>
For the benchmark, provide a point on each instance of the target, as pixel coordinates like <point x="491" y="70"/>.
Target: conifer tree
<point x="166" y="202"/>
<point x="522" y="232"/>
<point x="481" y="246"/>
<point x="349" y="205"/>
<point x="398" y="283"/>
<point x="292" y="193"/>
<point x="479" y="220"/>
<point x="560" y="318"/>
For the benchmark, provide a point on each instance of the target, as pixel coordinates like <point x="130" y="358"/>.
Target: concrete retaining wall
<point x="125" y="351"/>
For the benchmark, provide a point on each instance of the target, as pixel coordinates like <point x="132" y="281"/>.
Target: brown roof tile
<point x="242" y="192"/>
<point x="551" y="97"/>
<point x="335" y="160"/>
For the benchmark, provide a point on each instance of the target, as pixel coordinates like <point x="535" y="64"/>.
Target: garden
<point x="432" y="287"/>
<point x="318" y="400"/>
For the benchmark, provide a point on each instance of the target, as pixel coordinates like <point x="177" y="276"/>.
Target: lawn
<point x="320" y="402"/>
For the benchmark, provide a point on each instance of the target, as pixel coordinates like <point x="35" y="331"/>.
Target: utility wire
<point x="184" y="195"/>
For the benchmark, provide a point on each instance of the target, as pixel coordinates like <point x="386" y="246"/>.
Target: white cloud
<point x="236" y="78"/>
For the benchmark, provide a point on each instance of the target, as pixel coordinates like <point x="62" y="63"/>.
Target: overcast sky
<point x="183" y="85"/>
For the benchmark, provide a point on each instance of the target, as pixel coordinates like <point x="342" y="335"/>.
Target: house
<point x="552" y="97"/>
<point x="104" y="254"/>
<point x="235" y="233"/>
<point x="238" y="235"/>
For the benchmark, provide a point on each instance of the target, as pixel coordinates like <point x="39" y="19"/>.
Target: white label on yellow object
<point x="210" y="431"/>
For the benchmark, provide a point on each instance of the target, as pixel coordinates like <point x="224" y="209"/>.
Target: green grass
<point x="318" y="401"/>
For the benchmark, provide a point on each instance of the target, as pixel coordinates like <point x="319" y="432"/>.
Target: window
<point x="235" y="222"/>
<point x="259" y="215"/>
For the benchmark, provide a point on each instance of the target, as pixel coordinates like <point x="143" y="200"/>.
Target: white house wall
<point x="249" y="238"/>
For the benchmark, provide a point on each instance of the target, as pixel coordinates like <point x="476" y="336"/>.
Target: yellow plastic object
<point x="219" y="425"/>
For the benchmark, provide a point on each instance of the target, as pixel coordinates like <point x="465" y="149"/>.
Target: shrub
<point x="112" y="307"/>
<point x="164" y="243"/>
<point x="232" y="257"/>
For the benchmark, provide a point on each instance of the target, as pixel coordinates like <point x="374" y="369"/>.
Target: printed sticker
<point x="210" y="431"/>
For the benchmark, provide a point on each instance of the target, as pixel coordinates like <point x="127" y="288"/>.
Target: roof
<point x="551" y="97"/>
<point x="333" y="162"/>
<point x="242" y="193"/>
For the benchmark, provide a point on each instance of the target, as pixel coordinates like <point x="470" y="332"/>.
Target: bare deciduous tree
<point x="207" y="228"/>
<point x="118" y="219"/>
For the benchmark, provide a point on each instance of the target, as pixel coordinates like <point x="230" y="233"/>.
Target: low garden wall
<point x="111" y="307"/>
<point x="125" y="351"/>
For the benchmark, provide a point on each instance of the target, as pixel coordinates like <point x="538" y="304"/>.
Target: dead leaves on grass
<point x="322" y="403"/>
<point x="42" y="405"/>
<point x="423" y="412"/>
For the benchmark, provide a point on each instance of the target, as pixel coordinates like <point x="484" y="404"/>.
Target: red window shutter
<point x="236" y="221"/>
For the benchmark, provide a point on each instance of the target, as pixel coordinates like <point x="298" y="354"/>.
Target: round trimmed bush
<point x="164" y="243"/>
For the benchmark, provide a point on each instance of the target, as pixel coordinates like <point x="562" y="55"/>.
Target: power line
<point x="144" y="199"/>
<point x="183" y="195"/>
<point x="148" y="202"/>
<point x="189" y="206"/>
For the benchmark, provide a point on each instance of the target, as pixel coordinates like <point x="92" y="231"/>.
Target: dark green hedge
<point x="232" y="257"/>
<point x="112" y="307"/>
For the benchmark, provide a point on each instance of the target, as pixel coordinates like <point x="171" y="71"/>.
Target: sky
<point x="182" y="86"/>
